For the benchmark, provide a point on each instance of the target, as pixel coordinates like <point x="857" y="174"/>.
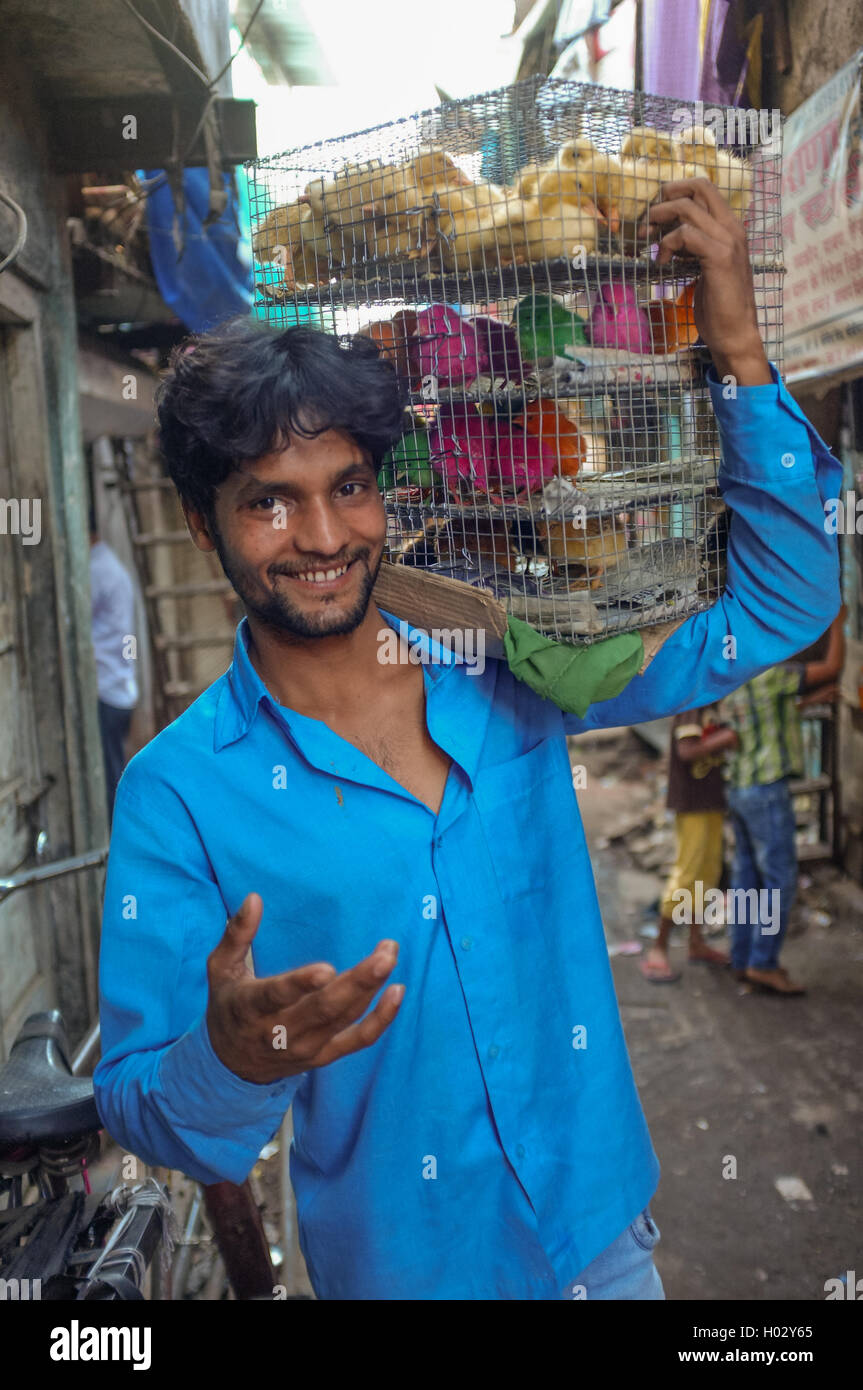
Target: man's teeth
<point x="322" y="576"/>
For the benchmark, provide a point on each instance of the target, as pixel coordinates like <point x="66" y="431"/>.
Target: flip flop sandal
<point x="655" y="975"/>
<point x="716" y="959"/>
<point x="765" y="988"/>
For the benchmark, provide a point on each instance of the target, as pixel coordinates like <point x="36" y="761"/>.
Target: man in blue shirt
<point x="476" y="1134"/>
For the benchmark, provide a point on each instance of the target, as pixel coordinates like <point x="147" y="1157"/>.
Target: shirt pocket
<point x="518" y="804"/>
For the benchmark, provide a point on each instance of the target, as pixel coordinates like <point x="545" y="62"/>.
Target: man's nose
<point x="322" y="530"/>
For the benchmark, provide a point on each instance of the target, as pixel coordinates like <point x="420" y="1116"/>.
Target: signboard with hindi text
<point x="822" y="231"/>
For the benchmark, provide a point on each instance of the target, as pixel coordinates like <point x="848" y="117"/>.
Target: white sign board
<point x="822" y="231"/>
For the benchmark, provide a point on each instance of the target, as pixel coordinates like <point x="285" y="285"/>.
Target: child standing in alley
<point x="696" y="795"/>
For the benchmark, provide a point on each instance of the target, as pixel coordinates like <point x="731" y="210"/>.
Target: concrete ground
<point x="729" y="1080"/>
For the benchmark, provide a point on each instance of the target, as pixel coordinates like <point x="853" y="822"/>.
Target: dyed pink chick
<point x="489" y="454"/>
<point x="448" y="347"/>
<point x="618" y="321"/>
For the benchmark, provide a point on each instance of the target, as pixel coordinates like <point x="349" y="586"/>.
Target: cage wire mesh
<point x="560" y="449"/>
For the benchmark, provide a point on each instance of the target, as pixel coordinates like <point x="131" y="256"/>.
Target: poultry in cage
<point x="559" y="450"/>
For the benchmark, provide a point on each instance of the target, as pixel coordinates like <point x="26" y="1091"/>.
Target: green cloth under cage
<point x="574" y="678"/>
<point x="408" y="462"/>
<point x="545" y="328"/>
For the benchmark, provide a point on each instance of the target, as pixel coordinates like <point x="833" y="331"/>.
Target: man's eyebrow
<point x="253" y="484"/>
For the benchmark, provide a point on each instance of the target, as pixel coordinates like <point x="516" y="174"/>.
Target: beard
<point x="276" y="610"/>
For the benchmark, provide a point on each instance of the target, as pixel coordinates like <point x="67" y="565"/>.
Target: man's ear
<point x="199" y="528"/>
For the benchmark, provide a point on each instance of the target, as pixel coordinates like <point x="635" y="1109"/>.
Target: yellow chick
<point x="475" y="226"/>
<point x="595" y="169"/>
<point x="557" y="221"/>
<point x="340" y="198"/>
<point x="395" y="219"/>
<point x="526" y="182"/>
<point x="630" y="191"/>
<point x="280" y="227"/>
<point x="732" y="176"/>
<point x="319" y="244"/>
<point x="294" y="238"/>
<point x="664" y="154"/>
<point x="405" y="213"/>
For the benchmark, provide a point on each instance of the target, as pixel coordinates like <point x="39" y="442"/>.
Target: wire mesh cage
<point x="560" y="449"/>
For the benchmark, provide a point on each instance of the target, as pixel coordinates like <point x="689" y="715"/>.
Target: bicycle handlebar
<point x="90" y="859"/>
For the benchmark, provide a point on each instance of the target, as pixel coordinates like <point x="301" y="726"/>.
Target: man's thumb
<point x="241" y="929"/>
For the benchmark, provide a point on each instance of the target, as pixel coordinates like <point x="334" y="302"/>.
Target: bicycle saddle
<point x="40" y="1099"/>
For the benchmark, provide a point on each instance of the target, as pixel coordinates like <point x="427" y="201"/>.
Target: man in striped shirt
<point x="769" y="752"/>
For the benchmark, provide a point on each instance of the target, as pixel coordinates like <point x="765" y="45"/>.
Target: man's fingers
<point x="363" y="1034"/>
<point x="702" y="192"/>
<point x="686" y="238"/>
<point x="277" y="992"/>
<point x="239" y="934"/>
<point x="348" y="995"/>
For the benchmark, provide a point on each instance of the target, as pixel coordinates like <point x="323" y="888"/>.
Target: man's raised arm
<point x="782" y="587"/>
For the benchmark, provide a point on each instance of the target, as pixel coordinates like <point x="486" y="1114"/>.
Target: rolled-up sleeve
<point x="160" y="1089"/>
<point x="782" y="587"/>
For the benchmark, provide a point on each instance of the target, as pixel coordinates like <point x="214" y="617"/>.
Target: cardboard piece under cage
<point x="428" y="601"/>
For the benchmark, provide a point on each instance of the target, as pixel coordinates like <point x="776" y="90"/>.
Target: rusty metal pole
<point x="239" y="1233"/>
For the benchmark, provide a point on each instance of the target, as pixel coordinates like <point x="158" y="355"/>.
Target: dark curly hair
<point x="235" y="394"/>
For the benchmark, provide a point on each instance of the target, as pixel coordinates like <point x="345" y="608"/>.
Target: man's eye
<point x="357" y="487"/>
<point x="264" y="504"/>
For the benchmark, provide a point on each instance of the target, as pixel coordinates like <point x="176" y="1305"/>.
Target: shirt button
<point x="519" y="1150"/>
<point x="787" y="460"/>
<point x="493" y="1050"/>
<point x="466" y="943"/>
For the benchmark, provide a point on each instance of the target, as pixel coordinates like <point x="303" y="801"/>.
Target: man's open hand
<point x="311" y="1012"/>
<point x="701" y="224"/>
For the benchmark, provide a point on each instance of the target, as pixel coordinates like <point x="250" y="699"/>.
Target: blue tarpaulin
<point x="209" y="279"/>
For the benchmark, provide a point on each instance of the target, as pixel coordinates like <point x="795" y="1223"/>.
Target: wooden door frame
<point x="77" y="820"/>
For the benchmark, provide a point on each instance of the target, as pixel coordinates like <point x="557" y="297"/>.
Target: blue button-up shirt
<point x="491" y="1143"/>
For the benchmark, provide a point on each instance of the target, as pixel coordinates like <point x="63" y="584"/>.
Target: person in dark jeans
<point x="765" y="716"/>
<point x="113" y="620"/>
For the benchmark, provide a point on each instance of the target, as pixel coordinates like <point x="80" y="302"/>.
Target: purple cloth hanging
<point x="672" y="61"/>
<point x="724" y="56"/>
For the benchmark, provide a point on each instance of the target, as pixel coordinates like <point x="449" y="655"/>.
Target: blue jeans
<point x="625" y="1269"/>
<point x="765" y="859"/>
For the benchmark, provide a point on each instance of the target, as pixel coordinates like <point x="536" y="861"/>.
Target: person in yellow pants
<point x="697" y="796"/>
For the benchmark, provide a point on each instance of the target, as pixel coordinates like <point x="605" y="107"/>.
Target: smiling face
<point x="300" y="534"/>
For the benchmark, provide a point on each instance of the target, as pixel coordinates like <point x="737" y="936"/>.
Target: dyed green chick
<point x="545" y="328"/>
<point x="407" y="463"/>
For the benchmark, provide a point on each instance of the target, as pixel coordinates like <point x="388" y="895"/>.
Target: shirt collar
<point x="244" y="690"/>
